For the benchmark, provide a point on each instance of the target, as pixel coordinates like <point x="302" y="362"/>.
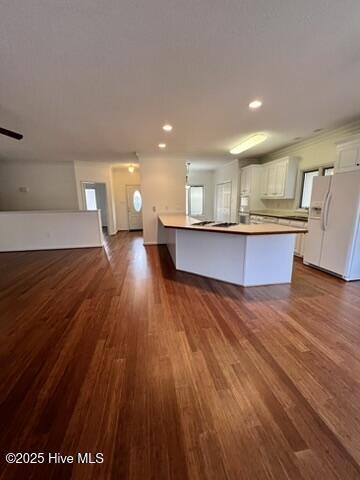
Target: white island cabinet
<point x="246" y="255"/>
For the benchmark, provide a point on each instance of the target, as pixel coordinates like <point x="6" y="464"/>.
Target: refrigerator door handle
<point x="323" y="211"/>
<point x="326" y="213"/>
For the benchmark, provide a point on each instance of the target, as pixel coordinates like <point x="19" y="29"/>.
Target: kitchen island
<point x="246" y="255"/>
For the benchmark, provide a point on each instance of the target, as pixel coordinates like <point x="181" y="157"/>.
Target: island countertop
<point x="185" y="222"/>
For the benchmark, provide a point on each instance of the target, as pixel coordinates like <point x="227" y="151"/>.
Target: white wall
<point x="229" y="173"/>
<point x="205" y="178"/>
<point x="46" y="230"/>
<point x="121" y="178"/>
<point x="51" y="186"/>
<point x="163" y="190"/>
<point x="97" y="172"/>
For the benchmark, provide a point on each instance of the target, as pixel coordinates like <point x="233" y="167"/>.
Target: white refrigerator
<point x="333" y="241"/>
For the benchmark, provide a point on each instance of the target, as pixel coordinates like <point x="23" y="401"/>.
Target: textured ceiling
<point x="95" y="80"/>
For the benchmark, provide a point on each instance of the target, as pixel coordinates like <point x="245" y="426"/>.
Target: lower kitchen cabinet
<point x="300" y="237"/>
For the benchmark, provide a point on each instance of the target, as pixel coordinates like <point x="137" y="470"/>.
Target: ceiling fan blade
<point x="11" y="134"/>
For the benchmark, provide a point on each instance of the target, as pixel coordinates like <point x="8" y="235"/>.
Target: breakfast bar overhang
<point x="246" y="255"/>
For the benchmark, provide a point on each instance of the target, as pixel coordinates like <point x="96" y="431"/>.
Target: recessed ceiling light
<point x="249" y="142"/>
<point x="255" y="104"/>
<point x="131" y="168"/>
<point x="162" y="145"/>
<point x="167" y="127"/>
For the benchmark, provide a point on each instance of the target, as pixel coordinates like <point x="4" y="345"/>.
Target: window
<point x="137" y="201"/>
<point x="307" y="183"/>
<point x="328" y="171"/>
<point x="196" y="200"/>
<point x="90" y="199"/>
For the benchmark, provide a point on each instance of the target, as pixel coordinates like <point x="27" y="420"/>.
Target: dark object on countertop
<point x="225" y="224"/>
<point x="10" y="133"/>
<point x="202" y="224"/>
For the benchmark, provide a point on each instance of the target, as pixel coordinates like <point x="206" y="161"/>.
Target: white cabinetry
<point x="250" y="179"/>
<point x="279" y="178"/>
<point x="250" y="186"/>
<point x="300" y="237"/>
<point x="245" y="181"/>
<point x="348" y="155"/>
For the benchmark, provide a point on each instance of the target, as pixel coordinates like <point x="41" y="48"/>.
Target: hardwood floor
<point x="174" y="376"/>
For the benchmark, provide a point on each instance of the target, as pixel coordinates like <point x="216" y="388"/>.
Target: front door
<point x="134" y="202"/>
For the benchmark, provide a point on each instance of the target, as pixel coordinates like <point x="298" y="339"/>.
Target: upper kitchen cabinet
<point x="250" y="187"/>
<point x="250" y="179"/>
<point x="348" y="155"/>
<point x="279" y="178"/>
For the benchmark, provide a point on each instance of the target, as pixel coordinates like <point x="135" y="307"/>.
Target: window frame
<point x="303" y="175"/>
<point x="203" y="200"/>
<point x="329" y="167"/>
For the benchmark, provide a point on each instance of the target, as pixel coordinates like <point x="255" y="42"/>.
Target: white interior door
<point x="223" y="202"/>
<point x="134" y="201"/>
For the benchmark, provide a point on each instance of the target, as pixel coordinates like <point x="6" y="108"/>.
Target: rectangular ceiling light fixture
<point x="249" y="142"/>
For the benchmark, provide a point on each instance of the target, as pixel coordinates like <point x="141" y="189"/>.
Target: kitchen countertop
<point x="180" y="221"/>
<point x="288" y="215"/>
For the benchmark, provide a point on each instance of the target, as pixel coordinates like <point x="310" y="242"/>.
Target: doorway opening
<point x="95" y="198"/>
<point x="134" y="207"/>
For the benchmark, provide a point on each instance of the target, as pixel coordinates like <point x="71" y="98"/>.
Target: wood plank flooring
<point x="174" y="376"/>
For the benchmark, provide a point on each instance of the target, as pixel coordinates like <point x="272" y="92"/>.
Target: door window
<point x="137" y="201"/>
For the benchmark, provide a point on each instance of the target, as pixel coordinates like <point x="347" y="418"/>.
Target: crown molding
<point x="345" y="131"/>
